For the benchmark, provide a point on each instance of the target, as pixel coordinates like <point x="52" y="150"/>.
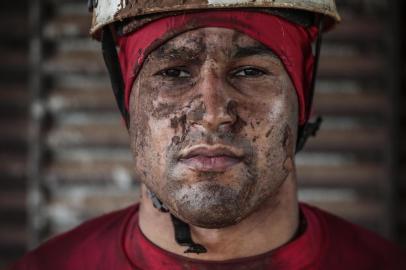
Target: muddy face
<point x="213" y="124"/>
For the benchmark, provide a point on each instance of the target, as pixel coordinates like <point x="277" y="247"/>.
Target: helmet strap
<point x="182" y="230"/>
<point x="310" y="128"/>
<point x="113" y="66"/>
<point x="157" y="203"/>
<point x="306" y="131"/>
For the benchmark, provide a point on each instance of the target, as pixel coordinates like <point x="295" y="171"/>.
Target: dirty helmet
<point x="107" y="12"/>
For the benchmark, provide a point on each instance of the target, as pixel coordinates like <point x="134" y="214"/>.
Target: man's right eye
<point x="175" y="73"/>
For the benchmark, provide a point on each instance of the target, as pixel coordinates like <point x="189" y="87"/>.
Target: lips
<point x="211" y="158"/>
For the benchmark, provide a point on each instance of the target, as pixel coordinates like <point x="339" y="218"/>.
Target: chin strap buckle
<point x="184" y="238"/>
<point x="157" y="202"/>
<point x="182" y="230"/>
<point x="307" y="131"/>
<point x="310" y="129"/>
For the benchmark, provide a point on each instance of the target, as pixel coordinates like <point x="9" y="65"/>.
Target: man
<point x="216" y="96"/>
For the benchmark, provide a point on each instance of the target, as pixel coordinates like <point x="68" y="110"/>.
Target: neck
<point x="269" y="227"/>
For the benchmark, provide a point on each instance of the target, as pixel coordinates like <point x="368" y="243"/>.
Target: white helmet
<point x="106" y="12"/>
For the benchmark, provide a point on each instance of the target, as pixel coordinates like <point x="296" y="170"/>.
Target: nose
<point x="220" y="114"/>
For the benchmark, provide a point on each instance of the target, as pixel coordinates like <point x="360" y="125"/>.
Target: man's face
<point x="213" y="125"/>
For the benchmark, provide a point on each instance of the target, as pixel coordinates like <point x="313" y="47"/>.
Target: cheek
<point x="142" y="130"/>
<point x="162" y="136"/>
<point x="270" y="129"/>
<point x="139" y="140"/>
<point x="155" y="126"/>
<point x="267" y="137"/>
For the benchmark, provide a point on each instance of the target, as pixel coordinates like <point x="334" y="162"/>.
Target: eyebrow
<point x="166" y="52"/>
<point x="193" y="54"/>
<point x="242" y="52"/>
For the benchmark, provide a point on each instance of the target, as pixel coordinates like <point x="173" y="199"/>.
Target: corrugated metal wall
<point x="88" y="166"/>
<point x="347" y="168"/>
<point x="14" y="106"/>
<point x="80" y="165"/>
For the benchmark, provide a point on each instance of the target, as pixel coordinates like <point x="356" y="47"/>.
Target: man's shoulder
<point x="348" y="243"/>
<point x="93" y="241"/>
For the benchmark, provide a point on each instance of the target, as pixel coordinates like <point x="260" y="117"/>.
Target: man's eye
<point x="175" y="73"/>
<point x="249" y="72"/>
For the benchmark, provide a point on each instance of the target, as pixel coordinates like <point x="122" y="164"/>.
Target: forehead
<point x="209" y="38"/>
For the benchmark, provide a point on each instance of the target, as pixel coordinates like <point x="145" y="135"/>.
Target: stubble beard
<point x="212" y="199"/>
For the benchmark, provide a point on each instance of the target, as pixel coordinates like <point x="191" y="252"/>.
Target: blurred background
<point x="64" y="154"/>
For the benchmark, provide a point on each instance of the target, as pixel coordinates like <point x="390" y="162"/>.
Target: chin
<point x="215" y="217"/>
<point x="213" y="222"/>
<point x="209" y="205"/>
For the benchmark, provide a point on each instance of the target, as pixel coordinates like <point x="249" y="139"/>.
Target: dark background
<point x="64" y="152"/>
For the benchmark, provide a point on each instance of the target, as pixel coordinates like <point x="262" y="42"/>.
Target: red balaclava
<point x="292" y="43"/>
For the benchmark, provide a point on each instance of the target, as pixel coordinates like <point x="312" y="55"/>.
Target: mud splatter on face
<point x="268" y="132"/>
<point x="239" y="123"/>
<point x="163" y="109"/>
<point x="288" y="164"/>
<point x="179" y="122"/>
<point x="197" y="114"/>
<point x="207" y="98"/>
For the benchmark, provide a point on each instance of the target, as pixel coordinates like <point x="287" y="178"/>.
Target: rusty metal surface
<point x="363" y="175"/>
<point x="371" y="102"/>
<point x="352" y="209"/>
<point x="349" y="139"/>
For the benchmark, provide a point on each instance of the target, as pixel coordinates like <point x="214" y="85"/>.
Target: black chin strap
<point x="113" y="66"/>
<point x="182" y="230"/>
<point x="307" y="131"/>
<point x="310" y="128"/>
<point x="184" y="238"/>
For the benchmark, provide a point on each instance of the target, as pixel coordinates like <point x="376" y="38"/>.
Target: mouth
<point x="217" y="158"/>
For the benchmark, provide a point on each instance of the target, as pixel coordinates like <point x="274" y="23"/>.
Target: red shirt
<point x="114" y="241"/>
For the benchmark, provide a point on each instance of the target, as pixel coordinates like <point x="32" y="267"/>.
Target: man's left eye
<point x="175" y="73"/>
<point x="248" y="72"/>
